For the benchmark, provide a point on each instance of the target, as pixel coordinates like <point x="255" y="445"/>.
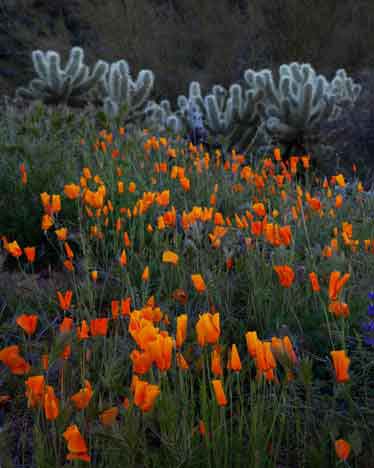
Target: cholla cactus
<point x="294" y="111"/>
<point x="122" y="95"/>
<point x="55" y="85"/>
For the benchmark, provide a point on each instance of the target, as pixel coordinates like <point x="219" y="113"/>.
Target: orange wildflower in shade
<point x="336" y="284"/>
<point x="65" y="299"/>
<point x="72" y="191"/>
<point x="109" y="416"/>
<point x="69" y="252"/>
<point x="251" y="340"/>
<point x="314" y="203"/>
<point x="82" y="398"/>
<point x="314" y="282"/>
<point x="145" y="274"/>
<point x="94" y="275"/>
<point x="50" y="403"/>
<point x="341" y="365"/>
<point x="339" y="309"/>
<point x="132" y="187"/>
<point x="66" y="325"/>
<point x="123" y="258"/>
<point x="286" y="275"/>
<point x="340" y="180"/>
<point x="180" y="296"/>
<point x="61" y="234"/>
<point x="23" y="172"/>
<point x="126" y="240"/>
<point x="45" y="361"/>
<point x="234" y="362"/>
<point x="99" y="327"/>
<point x="14" y="249"/>
<point x="202" y="428"/>
<point x="181" y="362"/>
<point x="83" y="331"/>
<point x="259" y="209"/>
<point x="327" y="251"/>
<point x="216" y="366"/>
<point x="35" y="387"/>
<point x="68" y="264"/>
<point x="30" y="253"/>
<point x="342" y="449"/>
<point x="47" y="222"/>
<point x="11" y="358"/>
<point x="145" y="394"/>
<point x="76" y="444"/>
<point x="198" y="283"/>
<point x="125" y="306"/>
<point x="115" y="309"/>
<point x="66" y="352"/>
<point x="265" y="361"/>
<point x="208" y="328"/>
<point x="219" y="393"/>
<point x="170" y="257"/>
<point x="28" y="323"/>
<point x="339" y="201"/>
<point x="181" y="332"/>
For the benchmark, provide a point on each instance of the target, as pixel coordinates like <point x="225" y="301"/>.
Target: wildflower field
<point x="202" y="309"/>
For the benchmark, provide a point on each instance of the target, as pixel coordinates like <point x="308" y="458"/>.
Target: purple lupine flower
<point x="367" y="327"/>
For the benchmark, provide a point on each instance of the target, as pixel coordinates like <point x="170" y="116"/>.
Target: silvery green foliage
<point x="160" y="118"/>
<point x="56" y="85"/>
<point x="121" y="94"/>
<point x="295" y="109"/>
<point x="231" y="116"/>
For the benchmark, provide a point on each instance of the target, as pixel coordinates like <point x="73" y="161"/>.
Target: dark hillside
<point x="212" y="42"/>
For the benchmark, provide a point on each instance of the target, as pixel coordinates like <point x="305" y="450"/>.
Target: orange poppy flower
<point x="198" y="283"/>
<point x="51" y="406"/>
<point x="35" y="390"/>
<point x="145" y="394"/>
<point x="47" y="222"/>
<point x="342" y="449"/>
<point x="109" y="416"/>
<point x="125" y="306"/>
<point x="61" y="234"/>
<point x="181" y="362"/>
<point x="216" y="366"/>
<point x="123" y="258"/>
<point x="141" y="361"/>
<point x="234" y="362"/>
<point x="14" y="249"/>
<point x="160" y="350"/>
<point x="11" y="358"/>
<point x="314" y="282"/>
<point x="336" y="284"/>
<point x="286" y="275"/>
<point x="82" y="398"/>
<point x="339" y="309"/>
<point x="76" y="444"/>
<point x="65" y="299"/>
<point x="66" y="325"/>
<point x="30" y="253"/>
<point x="99" y="327"/>
<point x="208" y="328"/>
<point x="259" y="209"/>
<point x="69" y="252"/>
<point x="219" y="393"/>
<point x="28" y="323"/>
<point x="72" y="191"/>
<point x="341" y="365"/>
<point x="251" y="340"/>
<point x="181" y="330"/>
<point x="170" y="257"/>
<point x="83" y="331"/>
<point x="145" y="274"/>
